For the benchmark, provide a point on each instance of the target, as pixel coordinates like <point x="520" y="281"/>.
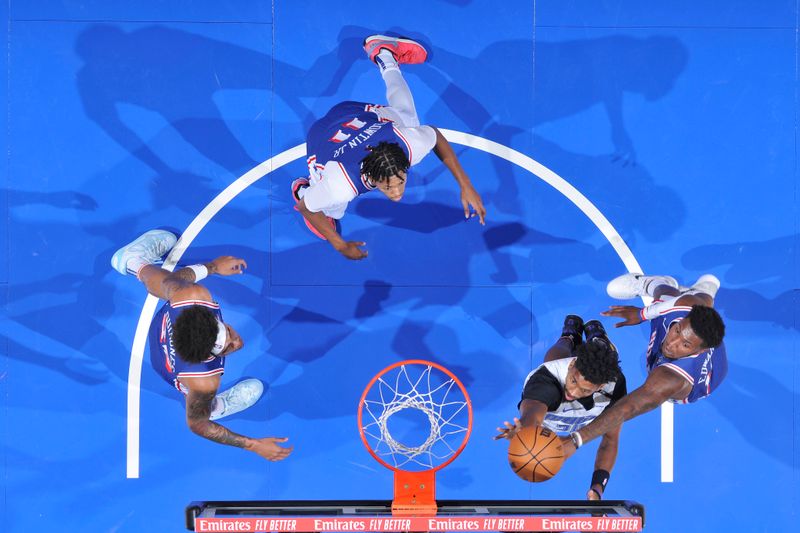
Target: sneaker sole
<point x="400" y="40"/>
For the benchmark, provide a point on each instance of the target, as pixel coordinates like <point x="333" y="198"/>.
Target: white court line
<point x="457" y="137"/>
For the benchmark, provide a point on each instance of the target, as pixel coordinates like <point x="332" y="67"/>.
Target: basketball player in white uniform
<point x="571" y="388"/>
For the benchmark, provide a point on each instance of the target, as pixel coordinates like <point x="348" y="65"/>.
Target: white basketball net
<point x="404" y="392"/>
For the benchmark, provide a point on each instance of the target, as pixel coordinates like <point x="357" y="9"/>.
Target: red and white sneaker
<point x="299" y="183"/>
<point x="405" y="51"/>
<point x="302" y="183"/>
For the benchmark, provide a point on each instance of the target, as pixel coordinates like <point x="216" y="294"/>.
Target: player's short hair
<point x="194" y="333"/>
<point x="597" y="361"/>
<point x="384" y="161"/>
<point x="707" y="324"/>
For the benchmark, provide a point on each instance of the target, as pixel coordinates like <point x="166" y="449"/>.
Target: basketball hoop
<point x="439" y="401"/>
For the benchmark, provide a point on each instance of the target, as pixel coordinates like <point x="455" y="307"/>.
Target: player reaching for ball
<point x="359" y="147"/>
<point x="189" y="341"/>
<point x="686" y="358"/>
<point x="576" y="382"/>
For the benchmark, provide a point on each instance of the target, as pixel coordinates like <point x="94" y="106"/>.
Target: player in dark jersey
<point x="189" y="341"/>
<point x="576" y="382"/>
<point x="360" y="147"/>
<point x="686" y="358"/>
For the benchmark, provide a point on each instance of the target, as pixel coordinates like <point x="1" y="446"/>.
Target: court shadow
<point x="767" y="269"/>
<point x="745" y="387"/>
<point x="422" y="217"/>
<point x="374" y="293"/>
<point x="569" y="77"/>
<point x="58" y="199"/>
<point x="556" y="258"/>
<point x="747" y="261"/>
<point x="178" y="75"/>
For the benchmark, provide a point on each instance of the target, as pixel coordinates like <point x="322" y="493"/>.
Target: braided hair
<point x="384" y="161"/>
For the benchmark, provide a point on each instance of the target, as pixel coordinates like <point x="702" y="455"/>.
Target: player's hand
<point x="268" y="448"/>
<point x="628" y="312"/>
<point x="509" y="430"/>
<point x="352" y="250"/>
<point x="227" y="265"/>
<point x="471" y="198"/>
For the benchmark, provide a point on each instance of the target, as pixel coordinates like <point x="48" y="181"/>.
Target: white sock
<point x="386" y="61"/>
<point x="707" y="284"/>
<point x="655" y="282"/>
<point x="135" y="264"/>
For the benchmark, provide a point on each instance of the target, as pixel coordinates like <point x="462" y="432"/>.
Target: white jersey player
<point x="576" y="382"/>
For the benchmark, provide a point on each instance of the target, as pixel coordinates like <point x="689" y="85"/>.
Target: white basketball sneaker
<point x="708" y="284"/>
<point x="629" y="286"/>
<point x="237" y="398"/>
<point x="149" y="248"/>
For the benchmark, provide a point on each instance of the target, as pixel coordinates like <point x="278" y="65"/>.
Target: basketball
<point x="535" y="454"/>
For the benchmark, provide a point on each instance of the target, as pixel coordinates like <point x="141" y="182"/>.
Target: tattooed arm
<point x="181" y="284"/>
<point x="199" y="403"/>
<point x="661" y="385"/>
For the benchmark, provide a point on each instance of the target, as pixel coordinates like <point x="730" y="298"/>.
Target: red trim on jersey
<point x="170" y="368"/>
<point x="408" y="145"/>
<point x="673" y="309"/>
<point x="683" y="373"/>
<point x="201" y="374"/>
<point x="163" y="337"/>
<point x="180" y="386"/>
<point x="201" y="303"/>
<point x="367" y="184"/>
<point x="348" y="178"/>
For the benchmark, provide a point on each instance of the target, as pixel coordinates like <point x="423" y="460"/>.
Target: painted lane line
<point x="299" y="151"/>
<point x="149" y="308"/>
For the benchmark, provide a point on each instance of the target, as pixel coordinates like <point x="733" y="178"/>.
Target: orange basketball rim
<point x="442" y="399"/>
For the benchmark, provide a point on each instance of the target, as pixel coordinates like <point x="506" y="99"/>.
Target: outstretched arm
<point x="661" y="385"/>
<point x="633" y="315"/>
<point x="349" y="249"/>
<point x="469" y="196"/>
<point x="199" y="402"/>
<point x="183" y="282"/>
<point x="531" y="413"/>
<point x="604" y="461"/>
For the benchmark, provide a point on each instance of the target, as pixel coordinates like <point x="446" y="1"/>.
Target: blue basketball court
<point x="602" y="136"/>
